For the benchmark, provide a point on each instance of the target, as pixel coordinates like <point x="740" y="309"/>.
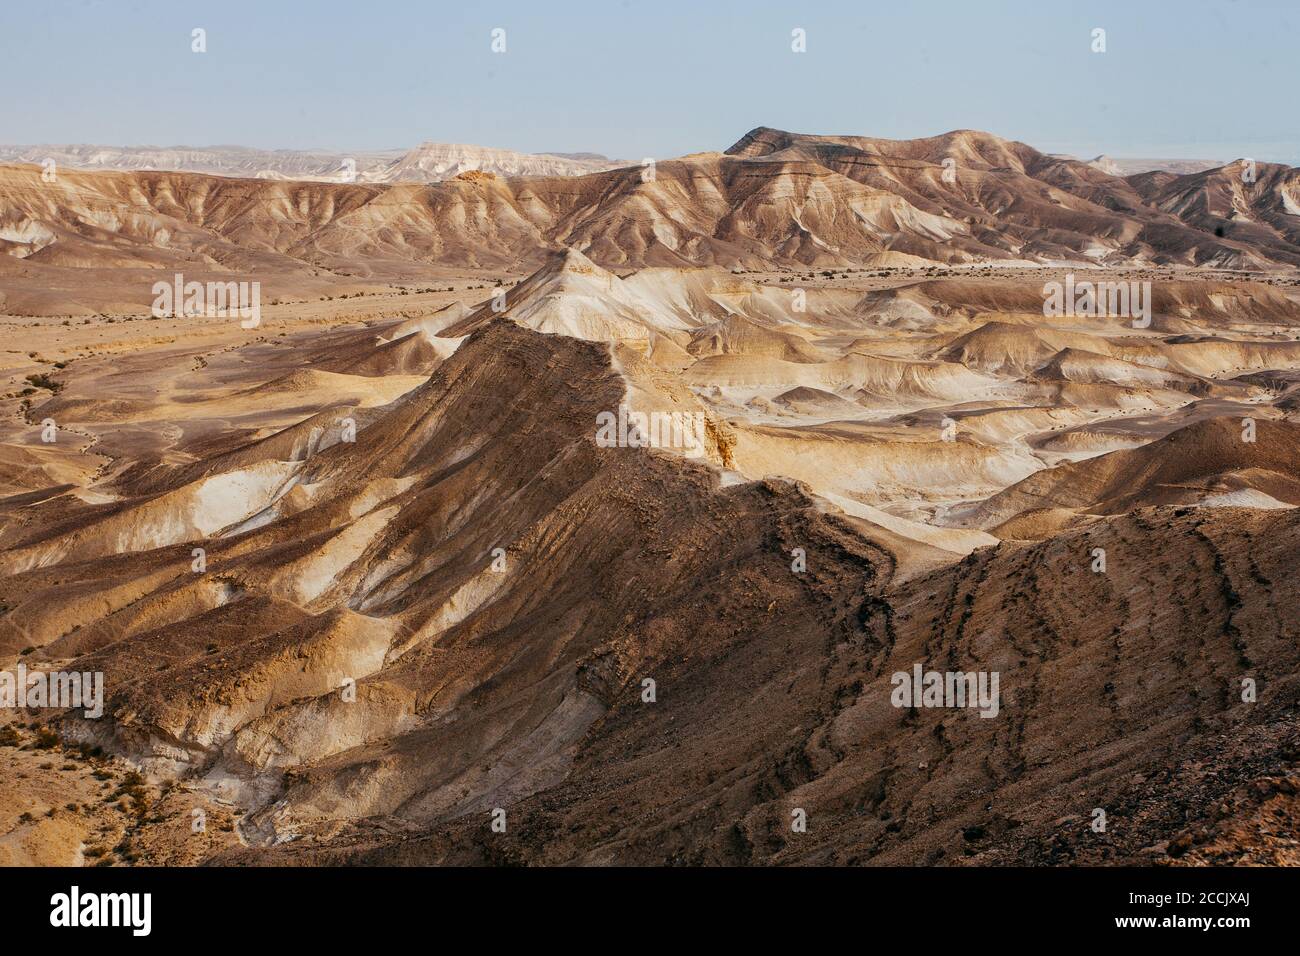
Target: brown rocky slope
<point x="523" y="687"/>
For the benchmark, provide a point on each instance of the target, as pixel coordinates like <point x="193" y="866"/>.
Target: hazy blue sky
<point x="1190" y="78"/>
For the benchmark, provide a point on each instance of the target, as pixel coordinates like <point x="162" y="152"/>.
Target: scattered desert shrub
<point x="43" y="380"/>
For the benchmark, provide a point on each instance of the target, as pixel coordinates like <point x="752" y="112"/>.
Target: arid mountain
<point x="426" y="163"/>
<point x="239" y="161"/>
<point x="1258" y="206"/>
<point x="1032" y="205"/>
<point x="774" y="200"/>
<point x="435" y="162"/>
<point x="1131" y="166"/>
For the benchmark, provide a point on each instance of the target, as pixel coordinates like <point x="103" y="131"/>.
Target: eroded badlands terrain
<point x="424" y="590"/>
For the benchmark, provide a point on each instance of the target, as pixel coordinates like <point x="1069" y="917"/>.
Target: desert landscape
<point x="563" y="510"/>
